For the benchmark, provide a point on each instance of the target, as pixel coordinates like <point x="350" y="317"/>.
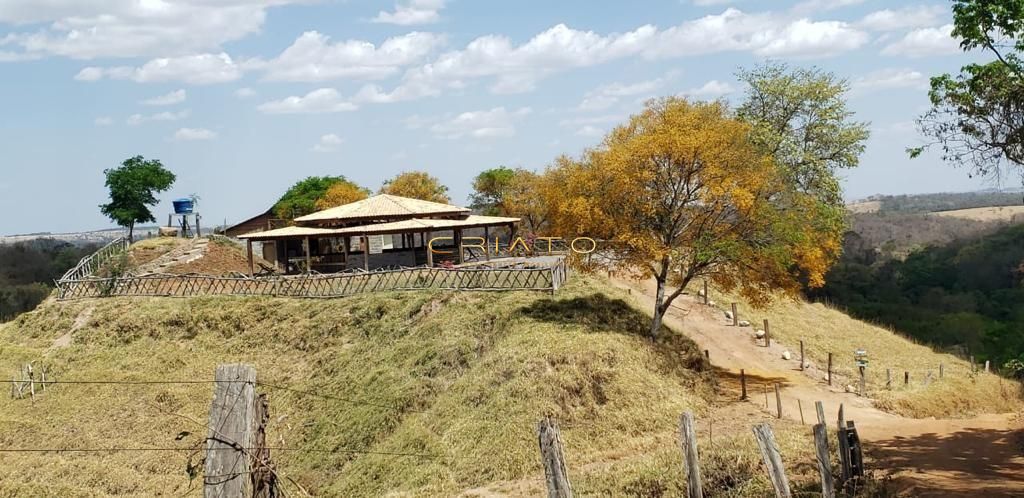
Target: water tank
<point x="182" y="206"/>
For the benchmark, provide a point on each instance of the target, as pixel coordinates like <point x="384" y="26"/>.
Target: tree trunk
<point x="131" y="230"/>
<point x="659" y="309"/>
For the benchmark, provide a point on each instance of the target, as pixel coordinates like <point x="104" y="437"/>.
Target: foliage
<point x="681" y="192"/>
<point x="133" y="186"/>
<point x="799" y="116"/>
<point x="531" y="197"/>
<point x="927" y="203"/>
<point x="968" y="294"/>
<point x="28" y="269"/>
<point x="341" y="193"/>
<point x="301" y="198"/>
<point x="490" y="188"/>
<point x="416" y="185"/>
<point x="977" y="116"/>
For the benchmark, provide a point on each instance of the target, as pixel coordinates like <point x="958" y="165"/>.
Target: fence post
<point x="820" y="409"/>
<point x="735" y="316"/>
<point x="828" y="489"/>
<point x="830" y="369"/>
<point x="802" y="355"/>
<point x="800" y="406"/>
<point x="743" y="385"/>
<point x="233" y="426"/>
<point x="844" y="451"/>
<point x="688" y="441"/>
<point x="705" y="292"/>
<point x="863" y="385"/>
<point x="767" y="334"/>
<point x="778" y="401"/>
<point x="906" y="378"/>
<point x="941" y="370"/>
<point x="888" y="378"/>
<point x="772" y="460"/>
<point x="555" y="474"/>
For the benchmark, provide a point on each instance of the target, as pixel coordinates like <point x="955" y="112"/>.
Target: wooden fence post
<point x="863" y="385"/>
<point x="828" y="488"/>
<point x="973" y="366"/>
<point x="735" y="316"/>
<point x="767" y="334"/>
<point x="772" y="460"/>
<point x="705" y="292"/>
<point x="233" y="426"/>
<point x="802" y="355"/>
<point x="778" y="401"/>
<point x="830" y="369"/>
<point x="555" y="474"/>
<point x="800" y="406"/>
<point x="888" y="378"/>
<point x="906" y="378"/>
<point x="820" y="409"/>
<point x="743" y="385"/>
<point x="688" y="441"/>
<point x="941" y="370"/>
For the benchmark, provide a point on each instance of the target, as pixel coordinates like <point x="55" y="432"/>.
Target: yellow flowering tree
<point x="341" y="193"/>
<point x="417" y="185"/>
<point x="680" y="192"/>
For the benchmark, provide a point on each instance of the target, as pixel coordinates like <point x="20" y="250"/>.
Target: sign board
<point x="861" y="357"/>
<point x="376" y="244"/>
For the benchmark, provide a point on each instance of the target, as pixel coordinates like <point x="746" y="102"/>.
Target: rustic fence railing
<point x="89" y="264"/>
<point x="519" y="276"/>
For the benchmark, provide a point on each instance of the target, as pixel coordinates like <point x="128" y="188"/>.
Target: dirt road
<point x="975" y="457"/>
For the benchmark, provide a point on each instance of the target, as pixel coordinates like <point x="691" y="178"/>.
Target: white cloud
<point x="312" y="57"/>
<point x="245" y="93"/>
<point x="188" y="134"/>
<point x="412" y="12"/>
<point x="589" y="131"/>
<point x="496" y="122"/>
<point x="197" y="69"/>
<point x="103" y="121"/>
<point x="518" y="68"/>
<point x="322" y="100"/>
<point x="120" y="28"/>
<point x="925" y="42"/>
<point x="889" y="79"/>
<point x="710" y="90"/>
<point x="919" y="16"/>
<point x="175" y="97"/>
<point x="137" y="119"/>
<point x="606" y="96"/>
<point x="328" y="143"/>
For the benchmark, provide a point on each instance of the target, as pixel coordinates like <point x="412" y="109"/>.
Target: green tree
<point x="416" y="185"/>
<point x="133" y="186"/>
<point x="977" y="116"/>
<point x="490" y="188"/>
<point x="301" y="198"/>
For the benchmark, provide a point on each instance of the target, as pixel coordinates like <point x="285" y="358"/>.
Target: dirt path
<point x="980" y="456"/>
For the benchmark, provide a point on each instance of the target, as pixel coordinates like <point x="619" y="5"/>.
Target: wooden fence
<point x="89" y="264"/>
<point x="518" y="275"/>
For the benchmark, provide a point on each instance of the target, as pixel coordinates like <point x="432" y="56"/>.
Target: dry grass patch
<point x="149" y="250"/>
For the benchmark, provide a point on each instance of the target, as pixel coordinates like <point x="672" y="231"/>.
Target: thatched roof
<point x="380" y="207"/>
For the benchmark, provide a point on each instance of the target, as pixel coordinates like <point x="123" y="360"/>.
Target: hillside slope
<point x="427" y="394"/>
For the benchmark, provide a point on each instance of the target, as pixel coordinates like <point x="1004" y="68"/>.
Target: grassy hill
<point x="459" y="379"/>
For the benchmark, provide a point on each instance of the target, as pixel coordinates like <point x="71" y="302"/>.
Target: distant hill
<point x="930" y="203"/>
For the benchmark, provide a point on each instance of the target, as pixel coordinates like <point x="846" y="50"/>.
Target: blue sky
<point x="241" y="98"/>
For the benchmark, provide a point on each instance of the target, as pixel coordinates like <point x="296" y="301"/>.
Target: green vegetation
<point x="301" y="198"/>
<point x="489" y="190"/>
<point x="28" y="269"/>
<point x="968" y="294"/>
<point x="133" y="186"/>
<point x="928" y="203"/>
<point x="461" y="377"/>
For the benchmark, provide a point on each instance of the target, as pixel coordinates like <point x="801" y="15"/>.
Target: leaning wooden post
<point x="772" y="459"/>
<point x="735" y="316"/>
<point x="555" y="474"/>
<point x="232" y="426"/>
<point x="800" y="406"/>
<point x="767" y="334"/>
<point x="778" y="401"/>
<point x="743" y="385"/>
<point x="688" y="441"/>
<point x="828" y="487"/>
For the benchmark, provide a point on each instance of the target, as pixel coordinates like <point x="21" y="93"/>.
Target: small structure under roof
<point x="384" y="226"/>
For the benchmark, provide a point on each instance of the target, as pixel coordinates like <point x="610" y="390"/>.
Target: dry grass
<point x="149" y="250"/>
<point x="994" y="213"/>
<point x="961" y="393"/>
<point x="461" y="377"/>
<point x="864" y="207"/>
<point x="221" y="256"/>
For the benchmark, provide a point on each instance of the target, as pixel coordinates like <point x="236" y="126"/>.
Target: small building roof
<point x="290" y="233"/>
<point x="404" y="226"/>
<point x="382" y="206"/>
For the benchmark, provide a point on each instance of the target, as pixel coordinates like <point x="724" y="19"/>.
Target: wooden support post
<point x="366" y="252"/>
<point x="706" y="298"/>
<point x="735" y="316"/>
<point x="828" y="487"/>
<point x="778" y="401"/>
<point x="830" y="369"/>
<point x="430" y="254"/>
<point x="344" y="254"/>
<point x="688" y="441"/>
<point x="767" y="334"/>
<point x="772" y="460"/>
<point x="309" y="260"/>
<point x="743" y="385"/>
<point x="487" y="247"/>
<point x="801" y="355"/>
<point x="800" y="406"/>
<point x="232" y="426"/>
<point x="412" y="247"/>
<point x="248" y="251"/>
<point x="458" y="246"/>
<point x="555" y="474"/>
<point x="888" y="377"/>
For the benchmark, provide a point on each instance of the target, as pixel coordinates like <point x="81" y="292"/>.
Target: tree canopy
<point x="977" y="117"/>
<point x="489" y="190"/>
<point x="340" y="193"/>
<point x="682" y="192"/>
<point x="416" y="185"/>
<point x="133" y="187"/>
<point x="302" y="197"/>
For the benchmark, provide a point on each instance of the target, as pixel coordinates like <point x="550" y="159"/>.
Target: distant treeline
<point x="927" y="203"/>
<point x="27" y="271"/>
<point x="967" y="293"/>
